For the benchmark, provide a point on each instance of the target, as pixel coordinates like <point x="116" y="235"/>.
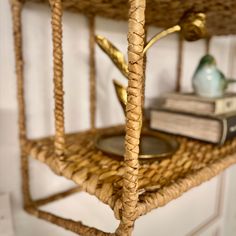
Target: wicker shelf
<point x="100" y="175"/>
<point x="221" y="14"/>
<point x="130" y="188"/>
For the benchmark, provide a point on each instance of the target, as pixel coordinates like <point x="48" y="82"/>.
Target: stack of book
<point x="208" y="119"/>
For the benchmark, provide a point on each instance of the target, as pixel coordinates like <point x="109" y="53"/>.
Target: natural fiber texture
<point x="131" y="188"/>
<point x="16" y="9"/>
<point x="74" y="226"/>
<point x="134" y="119"/>
<point x="158" y="181"/>
<point x="16" y="17"/>
<point x="221" y="15"/>
<point x="58" y="77"/>
<point x="92" y="72"/>
<point x="55" y="197"/>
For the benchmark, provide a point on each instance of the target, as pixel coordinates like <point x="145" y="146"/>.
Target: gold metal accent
<point x="153" y="145"/>
<point x="160" y="35"/>
<point x="192" y="26"/>
<point x="115" y="55"/>
<point x="121" y="93"/>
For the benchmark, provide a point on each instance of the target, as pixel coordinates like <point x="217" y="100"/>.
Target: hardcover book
<point x="188" y="102"/>
<point x="214" y="129"/>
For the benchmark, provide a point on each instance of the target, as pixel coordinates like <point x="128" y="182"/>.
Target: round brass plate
<point x="152" y="146"/>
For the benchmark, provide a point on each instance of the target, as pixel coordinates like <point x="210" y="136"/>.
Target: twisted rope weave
<point x="158" y="181"/>
<point x="74" y="226"/>
<point x="16" y="9"/>
<point x="56" y="22"/>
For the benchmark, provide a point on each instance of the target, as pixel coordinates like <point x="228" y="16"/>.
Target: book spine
<point x="218" y="107"/>
<point x="225" y="105"/>
<point x="228" y="129"/>
<point x="190" y="106"/>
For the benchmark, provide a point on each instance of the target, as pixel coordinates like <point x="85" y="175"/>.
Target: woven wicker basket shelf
<point x="159" y="181"/>
<point x="221" y="14"/>
<point x="130" y="187"/>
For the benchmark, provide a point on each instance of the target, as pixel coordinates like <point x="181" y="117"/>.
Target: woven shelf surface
<point x="221" y="15"/>
<point x="100" y="175"/>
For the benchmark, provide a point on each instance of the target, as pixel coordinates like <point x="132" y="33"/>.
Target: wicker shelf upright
<point x="131" y="189"/>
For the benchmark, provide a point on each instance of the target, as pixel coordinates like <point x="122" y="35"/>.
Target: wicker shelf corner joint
<point x="130" y="189"/>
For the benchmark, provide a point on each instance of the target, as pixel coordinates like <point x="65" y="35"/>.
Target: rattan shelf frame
<point x="129" y="200"/>
<point x="221" y="14"/>
<point x="100" y="175"/>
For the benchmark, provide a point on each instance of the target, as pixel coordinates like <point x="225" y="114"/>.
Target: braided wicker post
<point x="136" y="37"/>
<point x="16" y="9"/>
<point x="92" y="72"/>
<point x="56" y="22"/>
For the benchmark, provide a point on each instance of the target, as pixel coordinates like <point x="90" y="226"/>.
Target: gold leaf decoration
<point x="115" y="55"/>
<point x="121" y="93"/>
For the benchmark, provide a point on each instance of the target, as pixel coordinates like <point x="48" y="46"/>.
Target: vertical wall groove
<point x="92" y="71"/>
<point x="208" y="44"/>
<point x="179" y="64"/>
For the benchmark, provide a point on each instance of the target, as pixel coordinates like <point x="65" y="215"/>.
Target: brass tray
<point x="154" y="145"/>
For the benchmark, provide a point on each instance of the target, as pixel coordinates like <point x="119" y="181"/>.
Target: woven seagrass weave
<point x="221" y="15"/>
<point x="102" y="176"/>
